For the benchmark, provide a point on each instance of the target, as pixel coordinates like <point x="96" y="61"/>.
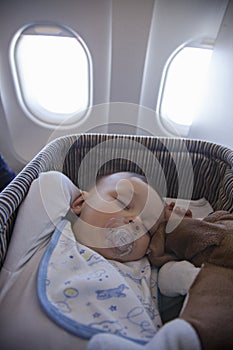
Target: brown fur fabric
<point x="207" y="244"/>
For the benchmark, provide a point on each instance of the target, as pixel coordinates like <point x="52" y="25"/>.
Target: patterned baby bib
<point x="85" y="294"/>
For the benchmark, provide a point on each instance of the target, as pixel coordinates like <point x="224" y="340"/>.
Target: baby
<point x="115" y="218"/>
<point x="119" y="215"/>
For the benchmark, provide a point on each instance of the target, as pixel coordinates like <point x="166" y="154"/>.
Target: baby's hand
<point x="169" y="208"/>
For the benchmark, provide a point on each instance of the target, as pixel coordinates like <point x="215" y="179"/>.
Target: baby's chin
<point x="112" y="254"/>
<point x="118" y="254"/>
<point x="130" y="257"/>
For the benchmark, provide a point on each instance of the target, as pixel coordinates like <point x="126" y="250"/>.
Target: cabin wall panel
<point x="92" y="21"/>
<point x="174" y="24"/>
<point x="130" y="42"/>
<point x="215" y="121"/>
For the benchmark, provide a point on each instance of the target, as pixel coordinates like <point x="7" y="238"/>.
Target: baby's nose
<point x="132" y="218"/>
<point x="135" y="225"/>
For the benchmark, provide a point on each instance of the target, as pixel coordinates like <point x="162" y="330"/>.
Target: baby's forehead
<point x="128" y="186"/>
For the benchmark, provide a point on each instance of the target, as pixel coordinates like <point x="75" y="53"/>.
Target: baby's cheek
<point x="143" y="243"/>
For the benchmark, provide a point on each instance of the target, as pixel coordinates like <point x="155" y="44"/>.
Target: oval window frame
<point x="175" y="128"/>
<point x="36" y="112"/>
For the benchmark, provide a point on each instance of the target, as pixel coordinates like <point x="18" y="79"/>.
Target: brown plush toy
<point x="208" y="244"/>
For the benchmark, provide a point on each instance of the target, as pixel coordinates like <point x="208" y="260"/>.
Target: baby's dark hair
<point x="130" y="173"/>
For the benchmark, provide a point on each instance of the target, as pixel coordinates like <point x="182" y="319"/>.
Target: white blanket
<point x="87" y="294"/>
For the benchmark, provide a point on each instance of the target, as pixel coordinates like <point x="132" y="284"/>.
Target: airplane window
<point x="183" y="87"/>
<point x="52" y="74"/>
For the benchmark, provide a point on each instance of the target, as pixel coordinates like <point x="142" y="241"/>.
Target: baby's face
<point x="119" y="200"/>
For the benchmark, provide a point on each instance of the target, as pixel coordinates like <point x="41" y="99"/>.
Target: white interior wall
<point x="174" y="24"/>
<point x="92" y="21"/>
<point x="130" y="42"/>
<point x="215" y="122"/>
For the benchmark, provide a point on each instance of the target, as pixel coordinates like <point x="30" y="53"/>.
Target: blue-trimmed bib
<point x="85" y="294"/>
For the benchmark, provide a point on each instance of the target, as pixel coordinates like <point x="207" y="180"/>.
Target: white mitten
<point x="176" y="277"/>
<point x="106" y="341"/>
<point x="174" y="335"/>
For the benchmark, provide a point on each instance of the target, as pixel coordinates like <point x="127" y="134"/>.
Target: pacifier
<point x="121" y="236"/>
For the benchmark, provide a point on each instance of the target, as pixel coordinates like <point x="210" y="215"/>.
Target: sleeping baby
<point x="119" y="215"/>
<point x="77" y="265"/>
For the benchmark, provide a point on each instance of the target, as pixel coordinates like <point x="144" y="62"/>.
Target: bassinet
<point x="183" y="168"/>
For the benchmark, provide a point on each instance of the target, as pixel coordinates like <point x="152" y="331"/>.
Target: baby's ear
<point x="77" y="204"/>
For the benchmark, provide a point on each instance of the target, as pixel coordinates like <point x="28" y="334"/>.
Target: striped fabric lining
<point x="170" y="164"/>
